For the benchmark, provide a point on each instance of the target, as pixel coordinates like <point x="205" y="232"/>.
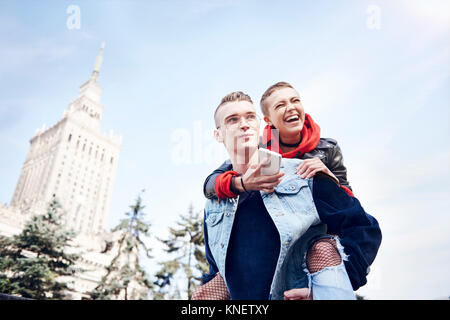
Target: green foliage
<point x="185" y="244"/>
<point x="125" y="278"/>
<point x="31" y="262"/>
<point x="360" y="297"/>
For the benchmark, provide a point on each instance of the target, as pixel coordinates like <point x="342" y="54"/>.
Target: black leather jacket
<point x="327" y="150"/>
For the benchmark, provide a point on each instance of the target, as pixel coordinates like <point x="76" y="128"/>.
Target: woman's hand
<point x="309" y="167"/>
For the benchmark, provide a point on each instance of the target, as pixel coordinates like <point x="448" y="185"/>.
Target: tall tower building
<point x="74" y="162"/>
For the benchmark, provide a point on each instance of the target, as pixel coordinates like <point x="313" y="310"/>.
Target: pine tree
<point x="125" y="278"/>
<point x="32" y="261"/>
<point x="186" y="244"/>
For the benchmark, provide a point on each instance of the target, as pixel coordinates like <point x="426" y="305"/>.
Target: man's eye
<point x="278" y="106"/>
<point x="251" y="117"/>
<point x="232" y="120"/>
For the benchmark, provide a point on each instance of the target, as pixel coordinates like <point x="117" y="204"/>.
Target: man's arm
<point x="358" y="231"/>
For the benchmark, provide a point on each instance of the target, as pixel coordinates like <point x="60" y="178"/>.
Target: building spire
<point x="98" y="63"/>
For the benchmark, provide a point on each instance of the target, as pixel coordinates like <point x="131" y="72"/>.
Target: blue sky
<point x="381" y="90"/>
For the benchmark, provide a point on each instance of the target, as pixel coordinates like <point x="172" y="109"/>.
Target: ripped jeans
<point x="331" y="283"/>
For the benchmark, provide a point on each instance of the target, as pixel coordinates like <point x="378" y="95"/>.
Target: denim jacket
<point x="293" y="212"/>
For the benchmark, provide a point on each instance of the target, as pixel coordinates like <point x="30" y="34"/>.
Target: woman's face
<point x="285" y="113"/>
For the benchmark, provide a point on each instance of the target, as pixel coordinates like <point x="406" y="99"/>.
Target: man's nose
<point x="243" y="123"/>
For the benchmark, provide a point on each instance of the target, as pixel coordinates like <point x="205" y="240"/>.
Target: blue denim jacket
<point x="293" y="212"/>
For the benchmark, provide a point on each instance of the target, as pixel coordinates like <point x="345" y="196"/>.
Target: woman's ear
<point x="218" y="136"/>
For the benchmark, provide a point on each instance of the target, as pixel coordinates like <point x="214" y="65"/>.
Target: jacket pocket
<point x="214" y="226"/>
<point x="291" y="186"/>
<point x="295" y="195"/>
<point x="214" y="218"/>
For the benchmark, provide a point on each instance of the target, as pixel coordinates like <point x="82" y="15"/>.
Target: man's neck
<point x="241" y="162"/>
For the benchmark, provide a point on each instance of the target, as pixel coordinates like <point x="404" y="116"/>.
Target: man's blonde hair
<point x="269" y="91"/>
<point x="231" y="97"/>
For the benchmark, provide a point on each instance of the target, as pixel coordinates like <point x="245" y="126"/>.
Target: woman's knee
<point x="323" y="253"/>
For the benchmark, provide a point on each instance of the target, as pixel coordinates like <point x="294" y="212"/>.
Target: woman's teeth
<point x="291" y="119"/>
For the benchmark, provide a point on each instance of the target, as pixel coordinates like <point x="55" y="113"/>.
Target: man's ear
<point x="218" y="136"/>
<point x="267" y="120"/>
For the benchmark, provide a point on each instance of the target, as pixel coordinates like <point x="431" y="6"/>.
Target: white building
<point x="76" y="163"/>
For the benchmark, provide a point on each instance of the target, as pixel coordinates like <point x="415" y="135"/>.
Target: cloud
<point x="410" y="200"/>
<point x="23" y="55"/>
<point x="205" y="7"/>
<point x="412" y="264"/>
<point x="434" y="12"/>
<point x="324" y="90"/>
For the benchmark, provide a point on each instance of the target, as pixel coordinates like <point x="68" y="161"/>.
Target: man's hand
<point x="297" y="294"/>
<point x="253" y="180"/>
<point x="309" y="167"/>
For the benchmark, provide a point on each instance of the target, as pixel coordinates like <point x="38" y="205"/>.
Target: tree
<point x="186" y="244"/>
<point x="125" y="278"/>
<point x="360" y="297"/>
<point x="32" y="262"/>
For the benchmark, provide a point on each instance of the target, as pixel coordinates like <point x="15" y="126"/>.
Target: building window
<point x="70" y="137"/>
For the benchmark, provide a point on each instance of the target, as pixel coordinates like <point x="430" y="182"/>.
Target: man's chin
<point x="246" y="148"/>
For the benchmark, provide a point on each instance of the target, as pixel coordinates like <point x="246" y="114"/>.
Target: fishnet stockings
<point x="323" y="253"/>
<point x="215" y="289"/>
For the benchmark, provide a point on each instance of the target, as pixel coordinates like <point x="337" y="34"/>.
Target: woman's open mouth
<point x="292" y="119"/>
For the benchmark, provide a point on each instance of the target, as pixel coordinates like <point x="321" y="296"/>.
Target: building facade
<point x="75" y="162"/>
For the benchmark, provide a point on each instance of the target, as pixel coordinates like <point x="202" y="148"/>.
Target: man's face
<point x="285" y="111"/>
<point x="238" y="127"/>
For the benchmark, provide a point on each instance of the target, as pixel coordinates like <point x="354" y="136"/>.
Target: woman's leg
<point x="326" y="271"/>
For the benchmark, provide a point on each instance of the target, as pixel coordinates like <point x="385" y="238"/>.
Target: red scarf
<point x="310" y="139"/>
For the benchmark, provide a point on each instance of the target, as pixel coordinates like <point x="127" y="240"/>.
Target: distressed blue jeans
<point x="331" y="283"/>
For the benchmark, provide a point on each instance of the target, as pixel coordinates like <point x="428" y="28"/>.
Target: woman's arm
<point x="225" y="183"/>
<point x="332" y="164"/>
<point x="336" y="166"/>
<point x="209" y="185"/>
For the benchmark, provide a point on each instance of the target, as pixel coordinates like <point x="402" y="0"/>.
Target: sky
<point x="373" y="74"/>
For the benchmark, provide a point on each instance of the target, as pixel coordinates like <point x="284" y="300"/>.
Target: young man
<point x="256" y="242"/>
<point x="292" y="133"/>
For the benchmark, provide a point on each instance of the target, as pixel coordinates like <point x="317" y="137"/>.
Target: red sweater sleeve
<point x="349" y="192"/>
<point x="222" y="185"/>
